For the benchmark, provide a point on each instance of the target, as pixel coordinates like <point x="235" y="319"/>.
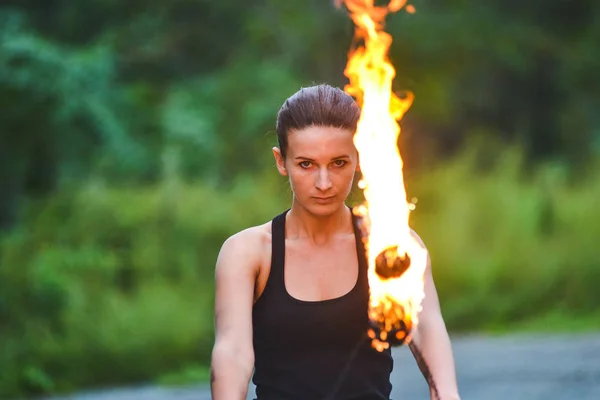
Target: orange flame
<point x="395" y="300"/>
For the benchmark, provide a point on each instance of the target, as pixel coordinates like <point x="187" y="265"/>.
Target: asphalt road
<point x="502" y="368"/>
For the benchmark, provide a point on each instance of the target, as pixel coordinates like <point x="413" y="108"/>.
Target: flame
<point x="396" y="295"/>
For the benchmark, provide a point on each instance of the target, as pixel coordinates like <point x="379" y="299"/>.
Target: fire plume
<point x="396" y="259"/>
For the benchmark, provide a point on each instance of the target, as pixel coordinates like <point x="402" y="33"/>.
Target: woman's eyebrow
<point x="310" y="159"/>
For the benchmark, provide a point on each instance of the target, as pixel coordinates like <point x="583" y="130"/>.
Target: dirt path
<point x="504" y="368"/>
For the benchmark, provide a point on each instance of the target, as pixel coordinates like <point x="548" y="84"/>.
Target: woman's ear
<point x="279" y="161"/>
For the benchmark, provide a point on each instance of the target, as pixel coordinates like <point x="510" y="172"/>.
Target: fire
<point x="396" y="259"/>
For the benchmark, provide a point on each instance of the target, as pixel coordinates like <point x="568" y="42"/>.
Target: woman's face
<point x="320" y="164"/>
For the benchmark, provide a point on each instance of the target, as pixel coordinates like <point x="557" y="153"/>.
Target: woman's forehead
<point x="320" y="142"/>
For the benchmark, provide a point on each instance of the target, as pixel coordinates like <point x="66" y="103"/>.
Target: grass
<point x="189" y="375"/>
<point x="558" y="322"/>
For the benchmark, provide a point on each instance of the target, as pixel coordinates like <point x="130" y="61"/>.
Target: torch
<point x="396" y="259"/>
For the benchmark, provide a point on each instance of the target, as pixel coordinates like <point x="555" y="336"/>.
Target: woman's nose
<point x="323" y="180"/>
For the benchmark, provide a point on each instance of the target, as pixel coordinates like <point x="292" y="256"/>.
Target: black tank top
<point x="318" y="350"/>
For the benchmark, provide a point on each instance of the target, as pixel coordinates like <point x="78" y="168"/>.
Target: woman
<point x="292" y="294"/>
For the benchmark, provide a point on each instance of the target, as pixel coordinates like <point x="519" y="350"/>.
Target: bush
<point x="111" y="285"/>
<point x="510" y="242"/>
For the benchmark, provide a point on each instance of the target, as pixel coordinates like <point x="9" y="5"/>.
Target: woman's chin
<point x="323" y="209"/>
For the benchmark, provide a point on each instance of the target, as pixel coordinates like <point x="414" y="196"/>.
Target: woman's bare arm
<point x="233" y="355"/>
<point x="431" y="345"/>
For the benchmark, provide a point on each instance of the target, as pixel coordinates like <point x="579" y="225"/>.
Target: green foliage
<point x="224" y="122"/>
<point x="69" y="91"/>
<point x="509" y="244"/>
<point x="188" y="375"/>
<point x="106" y="285"/>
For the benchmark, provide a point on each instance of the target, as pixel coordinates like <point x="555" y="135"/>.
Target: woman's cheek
<point x="298" y="180"/>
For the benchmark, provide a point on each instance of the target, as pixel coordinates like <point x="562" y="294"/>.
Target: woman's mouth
<point x="324" y="200"/>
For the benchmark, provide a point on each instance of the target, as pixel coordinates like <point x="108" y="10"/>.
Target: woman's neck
<point x="319" y="229"/>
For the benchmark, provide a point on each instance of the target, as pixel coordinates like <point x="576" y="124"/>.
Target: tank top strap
<point x="362" y="253"/>
<point x="276" y="275"/>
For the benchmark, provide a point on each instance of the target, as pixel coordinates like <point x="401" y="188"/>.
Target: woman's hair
<point x="320" y="105"/>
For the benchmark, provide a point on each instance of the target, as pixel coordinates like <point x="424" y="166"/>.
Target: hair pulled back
<point x="321" y="105"/>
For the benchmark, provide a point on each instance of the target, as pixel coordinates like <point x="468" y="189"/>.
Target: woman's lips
<point x="324" y="200"/>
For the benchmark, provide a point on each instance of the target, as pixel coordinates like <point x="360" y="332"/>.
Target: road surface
<point x="489" y="368"/>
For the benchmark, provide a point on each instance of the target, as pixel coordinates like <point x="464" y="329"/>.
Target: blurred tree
<point x="521" y="71"/>
<point x="58" y="109"/>
<point x="128" y="82"/>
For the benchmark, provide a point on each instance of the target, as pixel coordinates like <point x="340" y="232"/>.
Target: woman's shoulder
<point x="251" y="244"/>
<point x="252" y="236"/>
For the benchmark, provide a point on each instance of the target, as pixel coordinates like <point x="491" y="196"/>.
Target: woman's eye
<point x="340" y="163"/>
<point x="305" y="164"/>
